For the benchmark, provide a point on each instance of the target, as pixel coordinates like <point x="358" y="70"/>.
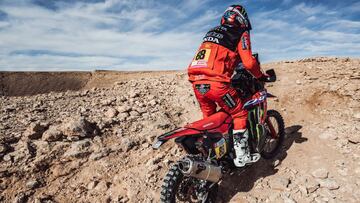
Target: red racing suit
<point x="210" y="71"/>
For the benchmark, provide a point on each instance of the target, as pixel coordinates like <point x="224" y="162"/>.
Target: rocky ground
<point x="94" y="144"/>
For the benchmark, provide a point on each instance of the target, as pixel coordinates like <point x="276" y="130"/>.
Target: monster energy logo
<point x="256" y="129"/>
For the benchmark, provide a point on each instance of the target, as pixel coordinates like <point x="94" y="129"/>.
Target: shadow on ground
<point x="243" y="181"/>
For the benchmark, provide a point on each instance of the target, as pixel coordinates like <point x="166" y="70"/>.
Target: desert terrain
<point x="86" y="136"/>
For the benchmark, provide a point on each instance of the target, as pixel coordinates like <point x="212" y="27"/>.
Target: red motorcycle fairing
<point x="219" y="122"/>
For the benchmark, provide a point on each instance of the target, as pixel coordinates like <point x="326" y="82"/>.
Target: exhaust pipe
<point x="200" y="169"/>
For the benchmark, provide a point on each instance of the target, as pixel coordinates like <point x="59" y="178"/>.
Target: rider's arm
<point x="249" y="62"/>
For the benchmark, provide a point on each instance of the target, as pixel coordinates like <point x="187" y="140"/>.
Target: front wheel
<point x="179" y="188"/>
<point x="275" y="134"/>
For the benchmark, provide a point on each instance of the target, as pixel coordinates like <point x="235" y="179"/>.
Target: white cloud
<point x="303" y="31"/>
<point x="89" y="29"/>
<point x="4" y="25"/>
<point x="140" y="35"/>
<point x="302" y="8"/>
<point x="311" y="19"/>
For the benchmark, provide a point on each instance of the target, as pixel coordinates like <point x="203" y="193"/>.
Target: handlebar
<point x="269" y="77"/>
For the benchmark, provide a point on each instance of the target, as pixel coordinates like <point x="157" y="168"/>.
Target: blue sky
<point x="164" y="34"/>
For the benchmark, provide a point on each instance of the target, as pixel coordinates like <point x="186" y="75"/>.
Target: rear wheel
<point x="179" y="188"/>
<point x="273" y="144"/>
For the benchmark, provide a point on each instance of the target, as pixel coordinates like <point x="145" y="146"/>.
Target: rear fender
<point x="178" y="132"/>
<point x="188" y="143"/>
<point x="157" y="143"/>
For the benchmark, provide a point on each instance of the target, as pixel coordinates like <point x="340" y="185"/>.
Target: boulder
<point x="127" y="144"/>
<point x="35" y="130"/>
<point x="134" y="113"/>
<point x="123" y="116"/>
<point x="4" y="148"/>
<point x="92" y="185"/>
<point x="280" y="183"/>
<point x="102" y="186"/>
<point x="7" y="158"/>
<point x="357" y="116"/>
<point x="52" y="134"/>
<point x="311" y="185"/>
<point x="133" y="94"/>
<point x="32" y="184"/>
<point x="78" y="149"/>
<point x="111" y="113"/>
<point x="354" y="138"/>
<point x="20" y="198"/>
<point x="121" y="99"/>
<point x="4" y="173"/>
<point x="108" y="102"/>
<point x="320" y="173"/>
<point x="327" y="135"/>
<point x="153" y="102"/>
<point x="22" y="151"/>
<point x="124" y="108"/>
<point x="100" y="154"/>
<point x="78" y="127"/>
<point x="329" y="184"/>
<point x="42" y="147"/>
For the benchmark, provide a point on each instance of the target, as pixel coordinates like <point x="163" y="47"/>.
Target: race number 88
<point x="200" y="55"/>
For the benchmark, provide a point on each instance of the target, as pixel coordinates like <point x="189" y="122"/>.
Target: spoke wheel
<point x="272" y="144"/>
<point x="179" y="188"/>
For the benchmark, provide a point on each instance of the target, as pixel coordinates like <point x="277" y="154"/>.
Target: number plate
<point x="201" y="59"/>
<point x="220" y="148"/>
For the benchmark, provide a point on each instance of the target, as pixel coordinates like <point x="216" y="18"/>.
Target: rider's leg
<point x="210" y="92"/>
<point x="229" y="100"/>
<point x="207" y="106"/>
<point x="241" y="144"/>
<point x="241" y="147"/>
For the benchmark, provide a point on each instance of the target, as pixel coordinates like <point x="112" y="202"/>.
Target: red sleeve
<point x="249" y="62"/>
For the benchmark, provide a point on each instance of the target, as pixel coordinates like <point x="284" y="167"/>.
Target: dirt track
<point x="49" y="152"/>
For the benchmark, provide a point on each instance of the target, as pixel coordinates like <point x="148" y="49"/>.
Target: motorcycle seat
<point x="218" y="122"/>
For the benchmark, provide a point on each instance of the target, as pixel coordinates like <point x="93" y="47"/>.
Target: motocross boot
<point x="242" y="151"/>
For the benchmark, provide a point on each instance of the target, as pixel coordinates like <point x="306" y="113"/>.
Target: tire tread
<point x="281" y="133"/>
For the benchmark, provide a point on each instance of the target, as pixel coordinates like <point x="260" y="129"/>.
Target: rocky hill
<point x="90" y="140"/>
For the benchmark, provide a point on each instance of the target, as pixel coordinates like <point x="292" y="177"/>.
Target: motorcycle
<point x="208" y="144"/>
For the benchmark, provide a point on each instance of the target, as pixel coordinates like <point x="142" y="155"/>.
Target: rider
<point x="210" y="71"/>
